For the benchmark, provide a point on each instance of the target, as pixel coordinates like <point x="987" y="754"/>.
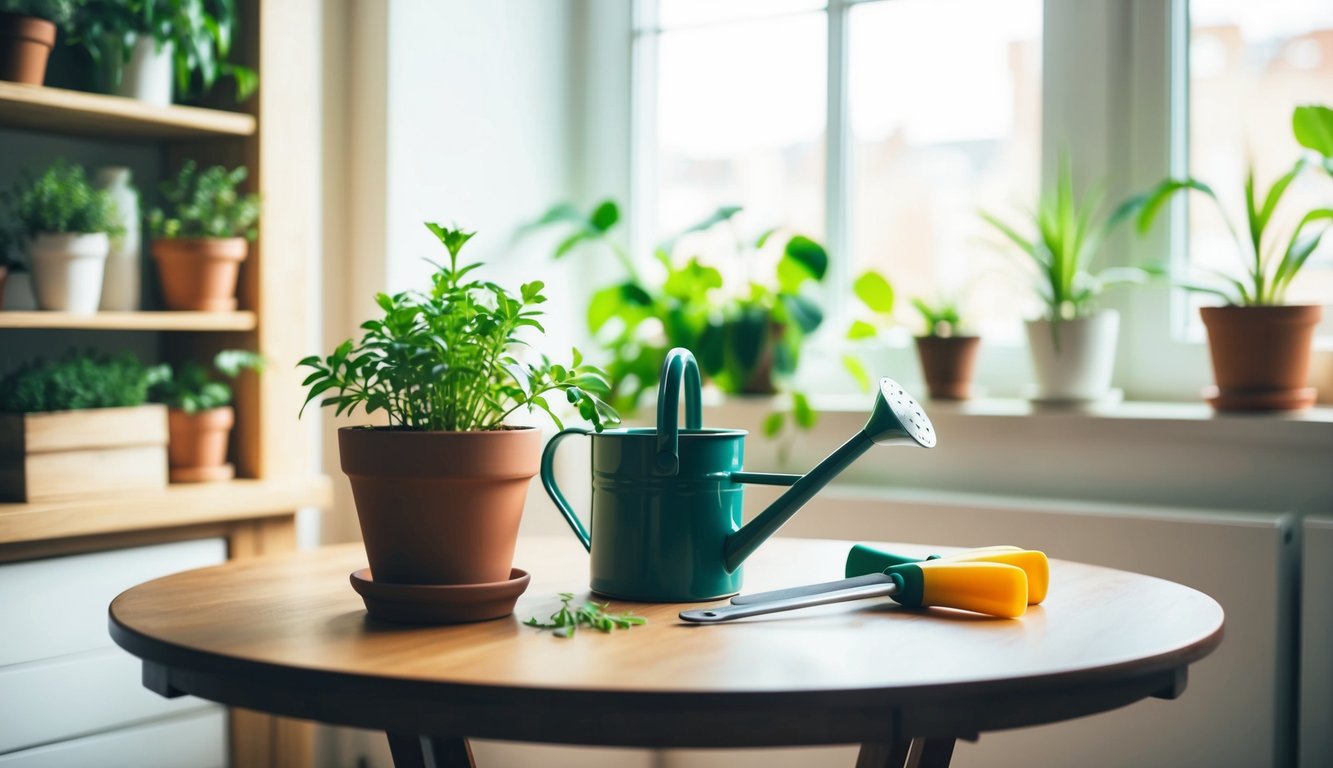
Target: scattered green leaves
<point x="568" y="619"/>
<point x="59" y="12"/>
<point x="445" y="360"/>
<point x="206" y="204"/>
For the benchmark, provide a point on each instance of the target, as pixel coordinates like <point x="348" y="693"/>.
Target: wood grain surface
<point x="288" y="635"/>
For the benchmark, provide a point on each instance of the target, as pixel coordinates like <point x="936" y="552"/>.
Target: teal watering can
<point x="666" y="502"/>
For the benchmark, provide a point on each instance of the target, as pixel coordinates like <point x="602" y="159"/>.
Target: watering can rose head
<point x="444" y="360"/>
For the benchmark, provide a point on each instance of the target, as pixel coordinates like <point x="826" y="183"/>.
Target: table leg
<point x="906" y="753"/>
<point x="412" y="751"/>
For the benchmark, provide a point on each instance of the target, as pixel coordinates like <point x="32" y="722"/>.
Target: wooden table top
<point x="288" y="635"/>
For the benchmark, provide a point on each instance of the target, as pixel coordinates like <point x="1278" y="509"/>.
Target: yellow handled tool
<point x="995" y="589"/>
<point x="865" y="564"/>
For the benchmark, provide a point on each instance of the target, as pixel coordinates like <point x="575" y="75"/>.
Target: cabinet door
<point x="198" y="740"/>
<point x="58" y="606"/>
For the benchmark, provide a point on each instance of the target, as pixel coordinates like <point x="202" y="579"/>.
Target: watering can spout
<point x="897" y="419"/>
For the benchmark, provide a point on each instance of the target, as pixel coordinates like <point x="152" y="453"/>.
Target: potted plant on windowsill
<point x="199" y="415"/>
<point x="65" y="225"/>
<point x="439" y="491"/>
<point x="202" y="236"/>
<point x="1260" y="346"/>
<point x="27" y="35"/>
<point x="746" y="335"/>
<point x="947" y="355"/>
<point x="141" y="48"/>
<point x="1073" y="344"/>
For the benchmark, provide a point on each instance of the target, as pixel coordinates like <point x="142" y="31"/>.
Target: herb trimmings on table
<point x="592" y="615"/>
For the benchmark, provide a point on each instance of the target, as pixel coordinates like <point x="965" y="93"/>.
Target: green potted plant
<point x="27" y="35"/>
<point x="65" y="225"/>
<point x="440" y="490"/>
<point x="80" y="426"/>
<point x="1260" y="346"/>
<point x="201" y="237"/>
<point x="1073" y="343"/>
<point x="747" y="336"/>
<point x="948" y="355"/>
<point x="199" y="414"/>
<point x="141" y="47"/>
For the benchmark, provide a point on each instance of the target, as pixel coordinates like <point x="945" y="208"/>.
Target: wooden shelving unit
<point x="75" y="113"/>
<point x="131" y="321"/>
<point x="275" y="134"/>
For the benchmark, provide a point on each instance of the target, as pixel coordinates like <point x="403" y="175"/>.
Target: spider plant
<point x="942" y="317"/>
<point x="1271" y="263"/>
<point x="1068" y="235"/>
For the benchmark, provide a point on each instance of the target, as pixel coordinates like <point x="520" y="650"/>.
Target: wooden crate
<point x="71" y="454"/>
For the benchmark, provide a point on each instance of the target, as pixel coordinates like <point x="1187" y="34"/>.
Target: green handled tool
<point x="995" y="589"/>
<point x="865" y="564"/>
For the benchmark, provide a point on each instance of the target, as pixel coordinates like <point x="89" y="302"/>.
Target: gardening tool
<point x="866" y="566"/>
<point x="995" y="589"/>
<point x="666" y="502"/>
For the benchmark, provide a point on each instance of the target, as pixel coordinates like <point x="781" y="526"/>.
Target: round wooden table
<point x="287" y="635"/>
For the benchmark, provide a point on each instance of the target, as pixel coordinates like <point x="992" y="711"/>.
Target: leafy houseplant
<point x="65" y="224"/>
<point x="1073" y="345"/>
<point x="200" y="416"/>
<point x="83" y="413"/>
<point x="27" y="35"/>
<point x="744" y="335"/>
<point x="1260" y="346"/>
<point x="202" y="236"/>
<point x="948" y="356"/>
<point x="140" y="46"/>
<point x="440" y="490"/>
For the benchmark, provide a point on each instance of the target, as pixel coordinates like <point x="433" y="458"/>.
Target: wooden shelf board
<point x="55" y="110"/>
<point x="132" y="321"/>
<point x="177" y="505"/>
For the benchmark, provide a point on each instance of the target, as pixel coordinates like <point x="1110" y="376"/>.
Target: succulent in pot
<point x="948" y="355"/>
<point x="65" y="225"/>
<point x="201" y="237"/>
<point x="199" y="415"/>
<point x="440" y="490"/>
<point x="1260" y="345"/>
<point x="27" y="35"/>
<point x="1073" y="344"/>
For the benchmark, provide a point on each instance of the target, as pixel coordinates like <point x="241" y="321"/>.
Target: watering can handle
<point x="552" y="490"/>
<point x="679" y="363"/>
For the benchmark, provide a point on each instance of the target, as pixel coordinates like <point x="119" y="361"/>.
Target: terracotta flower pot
<point x="439" y="507"/>
<point x="947" y="362"/>
<point x="197" y="444"/>
<point x="200" y="274"/>
<point x="1261" y="356"/>
<point x="25" y="46"/>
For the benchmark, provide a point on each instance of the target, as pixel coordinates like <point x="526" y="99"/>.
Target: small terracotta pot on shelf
<point x="25" y="47"/>
<point x="200" y="274"/>
<point x="947" y="363"/>
<point x="197" y="445"/>
<point x="1261" y="356"/>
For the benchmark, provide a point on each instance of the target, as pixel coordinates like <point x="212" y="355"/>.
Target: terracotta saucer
<point x="439" y="604"/>
<point x="1260" y="400"/>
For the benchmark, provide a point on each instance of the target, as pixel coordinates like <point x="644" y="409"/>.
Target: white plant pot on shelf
<point x="148" y="75"/>
<point x="67" y="270"/>
<point x="1074" y="360"/>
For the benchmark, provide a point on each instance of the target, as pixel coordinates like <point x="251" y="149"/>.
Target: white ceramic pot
<point x="1075" y="359"/>
<point x="120" y="285"/>
<point x="67" y="270"/>
<point x="148" y="76"/>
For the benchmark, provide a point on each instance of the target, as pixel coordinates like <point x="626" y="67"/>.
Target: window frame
<point x="1115" y="97"/>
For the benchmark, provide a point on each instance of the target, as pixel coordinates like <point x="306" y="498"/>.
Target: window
<point x="1250" y="64"/>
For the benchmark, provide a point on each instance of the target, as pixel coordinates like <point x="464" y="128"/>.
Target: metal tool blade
<point x="811" y="589"/>
<point x="729" y="612"/>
